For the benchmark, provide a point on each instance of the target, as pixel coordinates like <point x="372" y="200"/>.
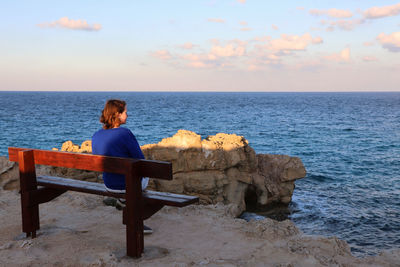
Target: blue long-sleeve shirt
<point x="116" y="142"/>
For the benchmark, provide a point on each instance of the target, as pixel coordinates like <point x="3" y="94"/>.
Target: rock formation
<point x="8" y="174"/>
<point x="224" y="168"/>
<point x="220" y="168"/>
<point x="86" y="147"/>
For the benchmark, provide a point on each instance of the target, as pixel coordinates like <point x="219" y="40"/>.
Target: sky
<point x="210" y="45"/>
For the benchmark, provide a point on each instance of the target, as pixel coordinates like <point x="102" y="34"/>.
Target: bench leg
<point x="30" y="220"/>
<point x="27" y="178"/>
<point x="134" y="218"/>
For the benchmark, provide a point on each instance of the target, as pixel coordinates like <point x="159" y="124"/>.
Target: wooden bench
<point x="140" y="205"/>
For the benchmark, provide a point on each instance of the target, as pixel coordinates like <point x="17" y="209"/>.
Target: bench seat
<point x="163" y="198"/>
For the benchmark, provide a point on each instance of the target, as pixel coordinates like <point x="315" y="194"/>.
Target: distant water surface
<point x="349" y="143"/>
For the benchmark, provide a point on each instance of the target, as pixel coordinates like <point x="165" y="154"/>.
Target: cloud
<point x="300" y="8"/>
<point x="220" y="55"/>
<point x="272" y="52"/>
<point x="198" y="64"/>
<point x="333" y="13"/>
<point x="216" y="20"/>
<point x="369" y="59"/>
<point x="256" y="54"/>
<point x="246" y="29"/>
<point x="368" y="43"/>
<point x="72" y="24"/>
<point x="200" y="61"/>
<point x="242" y="1"/>
<point x="243" y="23"/>
<point x="390" y="41"/>
<point x="343" y="24"/>
<point x="162" y="54"/>
<point x="381" y="12"/>
<point x="317" y="40"/>
<point x="196" y="60"/>
<point x="187" y="46"/>
<point x="342" y="16"/>
<point x="293" y="42"/>
<point x="274" y="27"/>
<point x="343" y="56"/>
<point x="230" y="50"/>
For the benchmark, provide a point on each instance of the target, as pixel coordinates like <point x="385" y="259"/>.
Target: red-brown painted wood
<point x="27" y="174"/>
<point x="147" y="168"/>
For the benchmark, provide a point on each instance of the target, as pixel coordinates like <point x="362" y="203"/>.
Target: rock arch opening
<point x="250" y="198"/>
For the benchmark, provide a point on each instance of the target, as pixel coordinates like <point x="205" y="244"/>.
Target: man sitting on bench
<point x="113" y="140"/>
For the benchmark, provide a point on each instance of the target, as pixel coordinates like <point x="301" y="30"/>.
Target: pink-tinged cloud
<point x="344" y="24"/>
<point x="243" y="23"/>
<point x="162" y="54"/>
<point x="317" y="40"/>
<point x="230" y="50"/>
<point x="191" y="57"/>
<point x="300" y="8"/>
<point x="274" y="27"/>
<point x="343" y="56"/>
<point x="197" y="64"/>
<point x="368" y="44"/>
<point x="216" y="20"/>
<point x="72" y="24"/>
<point x="381" y="12"/>
<point x="292" y="42"/>
<point x="219" y="56"/>
<point x="246" y="29"/>
<point x="347" y="25"/>
<point x="333" y="13"/>
<point x="242" y="1"/>
<point x="390" y="41"/>
<point x="369" y="59"/>
<point x="187" y="46"/>
<point x="199" y="60"/>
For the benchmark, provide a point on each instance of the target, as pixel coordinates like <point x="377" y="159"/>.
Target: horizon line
<point x="196" y="91"/>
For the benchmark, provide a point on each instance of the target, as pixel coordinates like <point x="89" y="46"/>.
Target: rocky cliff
<point x="219" y="168"/>
<point x="224" y="168"/>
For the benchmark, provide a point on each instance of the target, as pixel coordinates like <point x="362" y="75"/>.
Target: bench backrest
<point x="145" y="168"/>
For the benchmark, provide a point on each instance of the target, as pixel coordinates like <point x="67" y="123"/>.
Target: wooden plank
<point x="76" y="185"/>
<point x="159" y="197"/>
<point x="76" y="160"/>
<point x="172" y="195"/>
<point x="156" y="169"/>
<point x="148" y="168"/>
<point x="164" y="198"/>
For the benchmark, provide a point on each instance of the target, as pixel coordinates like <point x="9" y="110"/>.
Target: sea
<point x="349" y="143"/>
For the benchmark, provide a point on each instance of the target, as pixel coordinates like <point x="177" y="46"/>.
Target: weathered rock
<point x="69" y="147"/>
<point x="86" y="147"/>
<point x="9" y="174"/>
<point x="274" y="179"/>
<point x="188" y="152"/>
<point x="224" y="168"/>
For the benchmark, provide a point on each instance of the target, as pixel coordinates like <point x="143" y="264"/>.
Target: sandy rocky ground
<point x="79" y="230"/>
